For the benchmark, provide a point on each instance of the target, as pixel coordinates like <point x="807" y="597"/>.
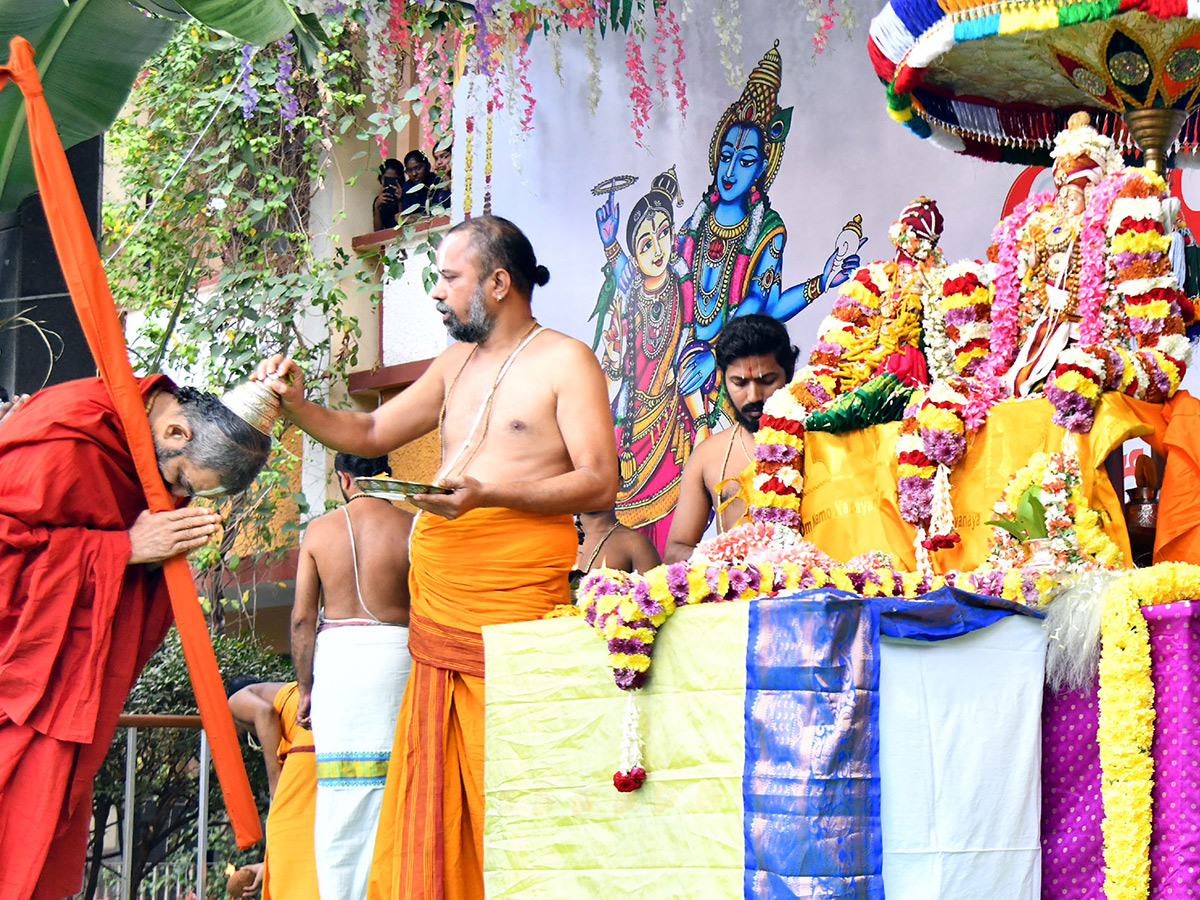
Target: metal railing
<point x="164" y="881"/>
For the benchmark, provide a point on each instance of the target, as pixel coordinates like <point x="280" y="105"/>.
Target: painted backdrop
<point x="762" y="199"/>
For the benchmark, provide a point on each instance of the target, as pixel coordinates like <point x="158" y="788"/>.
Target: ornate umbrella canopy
<point x="999" y="80"/>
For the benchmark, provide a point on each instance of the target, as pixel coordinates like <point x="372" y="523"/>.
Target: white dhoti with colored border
<point x="360" y="669"/>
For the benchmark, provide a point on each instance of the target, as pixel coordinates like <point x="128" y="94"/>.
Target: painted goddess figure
<point x="642" y="319"/>
<point x="730" y="251"/>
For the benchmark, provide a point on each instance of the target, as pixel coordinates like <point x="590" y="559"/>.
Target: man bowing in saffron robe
<point x="82" y="603"/>
<point x="526" y="441"/>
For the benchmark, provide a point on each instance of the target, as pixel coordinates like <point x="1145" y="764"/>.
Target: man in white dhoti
<point x="350" y="648"/>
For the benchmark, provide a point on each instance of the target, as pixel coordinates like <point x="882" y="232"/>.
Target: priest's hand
<point x="304" y="709"/>
<point x="158" y="536"/>
<point x="11" y="406"/>
<point x="467" y="494"/>
<point x="284" y="376"/>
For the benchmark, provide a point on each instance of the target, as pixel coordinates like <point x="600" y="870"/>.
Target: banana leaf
<point x="882" y="399"/>
<point x="88" y="53"/>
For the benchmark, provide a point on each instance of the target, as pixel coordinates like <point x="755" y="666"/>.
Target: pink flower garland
<point x="1093" y="285"/>
<point x="639" y="89"/>
<point x="672" y="28"/>
<point x="1006" y="298"/>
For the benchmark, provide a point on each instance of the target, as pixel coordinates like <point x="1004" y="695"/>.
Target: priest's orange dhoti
<point x="487" y="567"/>
<point x="290" y="869"/>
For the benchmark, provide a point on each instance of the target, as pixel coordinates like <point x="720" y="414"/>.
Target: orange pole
<point x="90" y="294"/>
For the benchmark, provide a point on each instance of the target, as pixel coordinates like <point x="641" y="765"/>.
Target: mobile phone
<point x="391" y="181"/>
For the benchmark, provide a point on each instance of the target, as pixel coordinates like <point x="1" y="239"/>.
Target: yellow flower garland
<point x="1126" y="729"/>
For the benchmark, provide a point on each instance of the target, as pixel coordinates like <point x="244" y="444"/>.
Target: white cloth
<point x="359" y="674"/>
<point x="960" y="763"/>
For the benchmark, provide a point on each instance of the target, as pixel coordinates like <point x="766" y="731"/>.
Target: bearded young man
<point x="756" y="358"/>
<point x="527" y="440"/>
<point x="83" y="602"/>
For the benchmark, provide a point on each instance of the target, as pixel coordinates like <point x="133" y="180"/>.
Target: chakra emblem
<point x="1089" y="81"/>
<point x="1184" y="64"/>
<point x="1129" y="68"/>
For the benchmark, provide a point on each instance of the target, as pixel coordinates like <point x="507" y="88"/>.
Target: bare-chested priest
<point x="526" y="440"/>
<point x="351" y="667"/>
<point x="756" y="358"/>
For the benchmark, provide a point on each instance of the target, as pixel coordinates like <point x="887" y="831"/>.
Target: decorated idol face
<point x="652" y="244"/>
<point x="740" y="161"/>
<point x="1071" y="199"/>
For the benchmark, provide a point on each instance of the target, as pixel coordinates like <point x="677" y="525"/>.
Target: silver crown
<point x="254" y="403"/>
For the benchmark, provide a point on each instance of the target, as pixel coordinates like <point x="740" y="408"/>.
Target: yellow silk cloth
<point x="850" y="504"/>
<point x="487" y="567"/>
<point x="290" y="866"/>
<point x="556" y="827"/>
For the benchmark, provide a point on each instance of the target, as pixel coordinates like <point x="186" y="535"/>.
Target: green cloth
<point x="556" y="828"/>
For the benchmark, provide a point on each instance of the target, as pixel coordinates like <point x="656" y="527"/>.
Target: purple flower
<point x="858" y="581"/>
<point x="806" y="580"/>
<point x="916" y="498"/>
<point x="943" y="446"/>
<point x="772" y="515"/>
<point x="1139" y="325"/>
<point x="1126" y="259"/>
<point x="249" y="92"/>
<point x="289" y="106"/>
<point x="712" y="576"/>
<point x="960" y="315"/>
<point x="629" y="645"/>
<point x="1029" y="588"/>
<point x="780" y="453"/>
<point x="1072" y="411"/>
<point x="628" y="679"/>
<point x="827" y="348"/>
<point x="991" y="583"/>
<point x="739" y="582"/>
<point x="677" y="580"/>
<point x="646" y="603"/>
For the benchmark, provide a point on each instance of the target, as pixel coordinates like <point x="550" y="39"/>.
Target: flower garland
<point x="1006" y="295"/>
<point x="1077" y="540"/>
<point x="779" y="460"/>
<point x="487" y="161"/>
<point x="468" y="167"/>
<point x="956" y="336"/>
<point x="639" y="88"/>
<point x="1125" y="733"/>
<point x="630" y="774"/>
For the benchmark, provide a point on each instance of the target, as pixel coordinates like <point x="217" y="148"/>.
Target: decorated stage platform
<point x="822" y="744"/>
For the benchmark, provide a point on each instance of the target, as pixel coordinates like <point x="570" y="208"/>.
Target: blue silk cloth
<point x="810" y="785"/>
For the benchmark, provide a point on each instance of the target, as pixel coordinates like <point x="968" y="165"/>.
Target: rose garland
<point x="963" y="319"/>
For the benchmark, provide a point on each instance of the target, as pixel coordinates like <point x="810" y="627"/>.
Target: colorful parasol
<point x="999" y="80"/>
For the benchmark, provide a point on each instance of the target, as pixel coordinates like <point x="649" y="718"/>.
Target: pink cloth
<point x="1072" y="847"/>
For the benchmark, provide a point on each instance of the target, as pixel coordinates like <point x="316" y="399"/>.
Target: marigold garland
<point x="1126" y="728"/>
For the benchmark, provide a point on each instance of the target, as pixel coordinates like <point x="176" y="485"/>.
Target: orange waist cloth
<point x="290" y="870"/>
<point x="487" y="567"/>
<point x="1176" y="425"/>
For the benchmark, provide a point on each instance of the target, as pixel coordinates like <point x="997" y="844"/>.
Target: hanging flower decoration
<point x="493" y="38"/>
<point x="1126" y="728"/>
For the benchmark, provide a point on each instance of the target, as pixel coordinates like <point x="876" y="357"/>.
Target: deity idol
<point x="643" y="322"/>
<point x="1086" y="297"/>
<point x="906" y="318"/>
<point x="731" y="248"/>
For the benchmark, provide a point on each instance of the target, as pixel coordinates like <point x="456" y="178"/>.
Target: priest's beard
<point x="478" y="326"/>
<point x="744" y="417"/>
